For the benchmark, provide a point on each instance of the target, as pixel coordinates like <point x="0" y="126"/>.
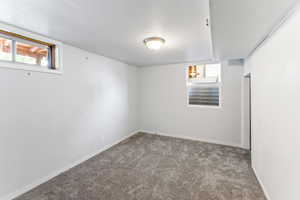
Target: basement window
<point x="204" y="85"/>
<point x="22" y="52"/>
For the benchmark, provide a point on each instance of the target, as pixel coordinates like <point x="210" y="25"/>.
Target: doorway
<point x="247" y="113"/>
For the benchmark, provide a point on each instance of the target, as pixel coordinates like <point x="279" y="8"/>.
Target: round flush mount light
<point x="154" y="43"/>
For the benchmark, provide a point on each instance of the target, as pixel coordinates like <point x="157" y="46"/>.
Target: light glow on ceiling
<point x="154" y="43"/>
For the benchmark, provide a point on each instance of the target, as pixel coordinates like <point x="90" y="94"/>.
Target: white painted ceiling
<point x="116" y="28"/>
<point x="238" y="26"/>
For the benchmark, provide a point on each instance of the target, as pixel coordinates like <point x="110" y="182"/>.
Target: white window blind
<point x="203" y="95"/>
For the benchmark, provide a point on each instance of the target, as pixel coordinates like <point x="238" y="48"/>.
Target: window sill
<point x="28" y="67"/>
<point x="204" y="106"/>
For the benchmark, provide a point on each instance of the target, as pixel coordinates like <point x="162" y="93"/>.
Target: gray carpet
<point x="151" y="167"/>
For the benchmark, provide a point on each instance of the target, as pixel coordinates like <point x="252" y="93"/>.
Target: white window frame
<point x="32" y="67"/>
<point x="219" y="84"/>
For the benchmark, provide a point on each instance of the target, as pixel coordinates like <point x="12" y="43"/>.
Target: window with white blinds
<point x="203" y="85"/>
<point x="204" y="95"/>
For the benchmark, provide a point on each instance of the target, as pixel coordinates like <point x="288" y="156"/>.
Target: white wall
<point x="50" y="121"/>
<point x="164" y="110"/>
<point x="275" y="70"/>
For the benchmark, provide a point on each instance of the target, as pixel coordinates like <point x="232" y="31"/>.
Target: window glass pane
<point x="31" y="54"/>
<point x="196" y="71"/>
<point x="209" y="73"/>
<point x="5" y="49"/>
<point x="213" y="71"/>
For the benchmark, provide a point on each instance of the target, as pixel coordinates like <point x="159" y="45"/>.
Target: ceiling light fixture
<point x="154" y="43"/>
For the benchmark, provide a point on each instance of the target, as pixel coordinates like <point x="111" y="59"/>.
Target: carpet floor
<point x="152" y="167"/>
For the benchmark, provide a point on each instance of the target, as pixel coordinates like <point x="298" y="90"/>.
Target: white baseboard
<point x="261" y="183"/>
<point x="57" y="172"/>
<point x="192" y="138"/>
